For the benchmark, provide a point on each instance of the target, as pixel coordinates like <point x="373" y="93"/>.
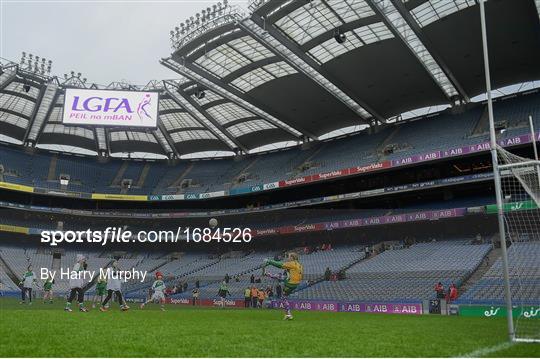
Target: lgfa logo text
<point x="96" y="104"/>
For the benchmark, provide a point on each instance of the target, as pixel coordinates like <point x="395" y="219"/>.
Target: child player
<point x="28" y="280"/>
<point x="101" y="288"/>
<point x="47" y="290"/>
<point x="76" y="285"/>
<point x="223" y="293"/>
<point x="294" y="273"/>
<point x="114" y="286"/>
<point x="158" y="289"/>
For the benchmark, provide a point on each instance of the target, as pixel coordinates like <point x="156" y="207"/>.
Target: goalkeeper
<point x="294" y="273"/>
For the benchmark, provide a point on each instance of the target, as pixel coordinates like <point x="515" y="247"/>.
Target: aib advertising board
<point x="110" y="108"/>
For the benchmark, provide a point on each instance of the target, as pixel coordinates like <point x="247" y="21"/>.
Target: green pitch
<point x="44" y="330"/>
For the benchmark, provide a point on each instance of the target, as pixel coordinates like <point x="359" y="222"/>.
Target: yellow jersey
<point x="295" y="270"/>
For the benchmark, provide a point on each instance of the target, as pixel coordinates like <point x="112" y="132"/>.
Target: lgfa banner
<point x="110" y="108"/>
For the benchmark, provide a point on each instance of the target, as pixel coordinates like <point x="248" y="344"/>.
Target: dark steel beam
<point x="275" y="33"/>
<point x="398" y="4"/>
<point x="206" y="116"/>
<point x="168" y="138"/>
<point x="223" y="89"/>
<point x="388" y="23"/>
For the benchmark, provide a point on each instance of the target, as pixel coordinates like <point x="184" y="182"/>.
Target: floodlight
<point x="200" y="94"/>
<point x="339" y="36"/>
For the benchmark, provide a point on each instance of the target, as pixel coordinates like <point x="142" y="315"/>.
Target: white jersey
<point x="28" y="279"/>
<point x="79" y="281"/>
<point x="113" y="282"/>
<point x="159" y="290"/>
<point x="158" y="286"/>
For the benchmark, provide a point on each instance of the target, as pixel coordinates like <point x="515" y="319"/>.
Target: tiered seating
<point x="403" y="274"/>
<point x="515" y="113"/>
<point x="232" y="266"/>
<point x="272" y="167"/>
<point x="241" y="269"/>
<point x="398" y="274"/>
<point x="439" y="131"/>
<point x="7" y="283"/>
<point x="16" y="259"/>
<point x="435" y="133"/>
<point x="236" y="286"/>
<point x="155" y="174"/>
<point x="186" y="264"/>
<point x="82" y="178"/>
<point x="133" y="171"/>
<point x="348" y="152"/>
<point x="315" y="264"/>
<point x="524" y="270"/>
<point x="204" y="175"/>
<point x="163" y="184"/>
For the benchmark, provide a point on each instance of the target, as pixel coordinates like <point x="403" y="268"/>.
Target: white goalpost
<point x="520" y="186"/>
<point x="517" y="189"/>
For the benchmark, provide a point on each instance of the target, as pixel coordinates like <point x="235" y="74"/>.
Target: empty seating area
<point x="399" y="274"/>
<point x="241" y="269"/>
<point x="338" y="154"/>
<point x="315" y="264"/>
<point x="272" y="166"/>
<point x="439" y="131"/>
<point x="18" y="260"/>
<point x="234" y="265"/>
<point x="207" y="269"/>
<point x="402" y="274"/>
<point x="524" y="270"/>
<point x="6" y="283"/>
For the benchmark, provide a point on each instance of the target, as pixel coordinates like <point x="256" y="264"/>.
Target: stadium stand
<point x="7" y="282"/>
<point x="397" y="274"/>
<point x="403" y="274"/>
<point x="524" y="273"/>
<point x="238" y="266"/>
<point x="393" y="142"/>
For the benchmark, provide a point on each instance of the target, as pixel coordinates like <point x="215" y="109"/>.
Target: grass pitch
<point x="45" y="330"/>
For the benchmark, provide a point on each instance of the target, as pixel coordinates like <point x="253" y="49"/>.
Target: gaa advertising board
<point x="85" y="107"/>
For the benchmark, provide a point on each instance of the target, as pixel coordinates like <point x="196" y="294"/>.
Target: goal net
<point x="520" y="185"/>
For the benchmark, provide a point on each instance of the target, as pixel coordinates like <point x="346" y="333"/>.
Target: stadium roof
<point x="279" y="75"/>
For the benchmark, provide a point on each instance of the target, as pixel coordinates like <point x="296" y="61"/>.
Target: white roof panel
<point x="228" y="112"/>
<point x="191" y="135"/>
<point x="17" y="104"/>
<point x="13" y="119"/>
<point x="176" y="120"/>
<point x="244" y="128"/>
<point x="68" y="130"/>
<point x="434" y="10"/>
<point x="356" y="38"/>
<point x="308" y="22"/>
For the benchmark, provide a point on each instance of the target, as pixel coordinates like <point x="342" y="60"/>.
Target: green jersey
<point x="48" y="285"/>
<point x="101" y="284"/>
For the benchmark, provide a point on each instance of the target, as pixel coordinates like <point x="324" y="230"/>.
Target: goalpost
<point x="517" y="190"/>
<point x="520" y="188"/>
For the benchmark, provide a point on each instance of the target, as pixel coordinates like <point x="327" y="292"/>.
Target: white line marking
<point x="488" y="350"/>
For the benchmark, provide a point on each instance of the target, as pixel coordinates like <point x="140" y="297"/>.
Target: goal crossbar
<point x="519" y="164"/>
